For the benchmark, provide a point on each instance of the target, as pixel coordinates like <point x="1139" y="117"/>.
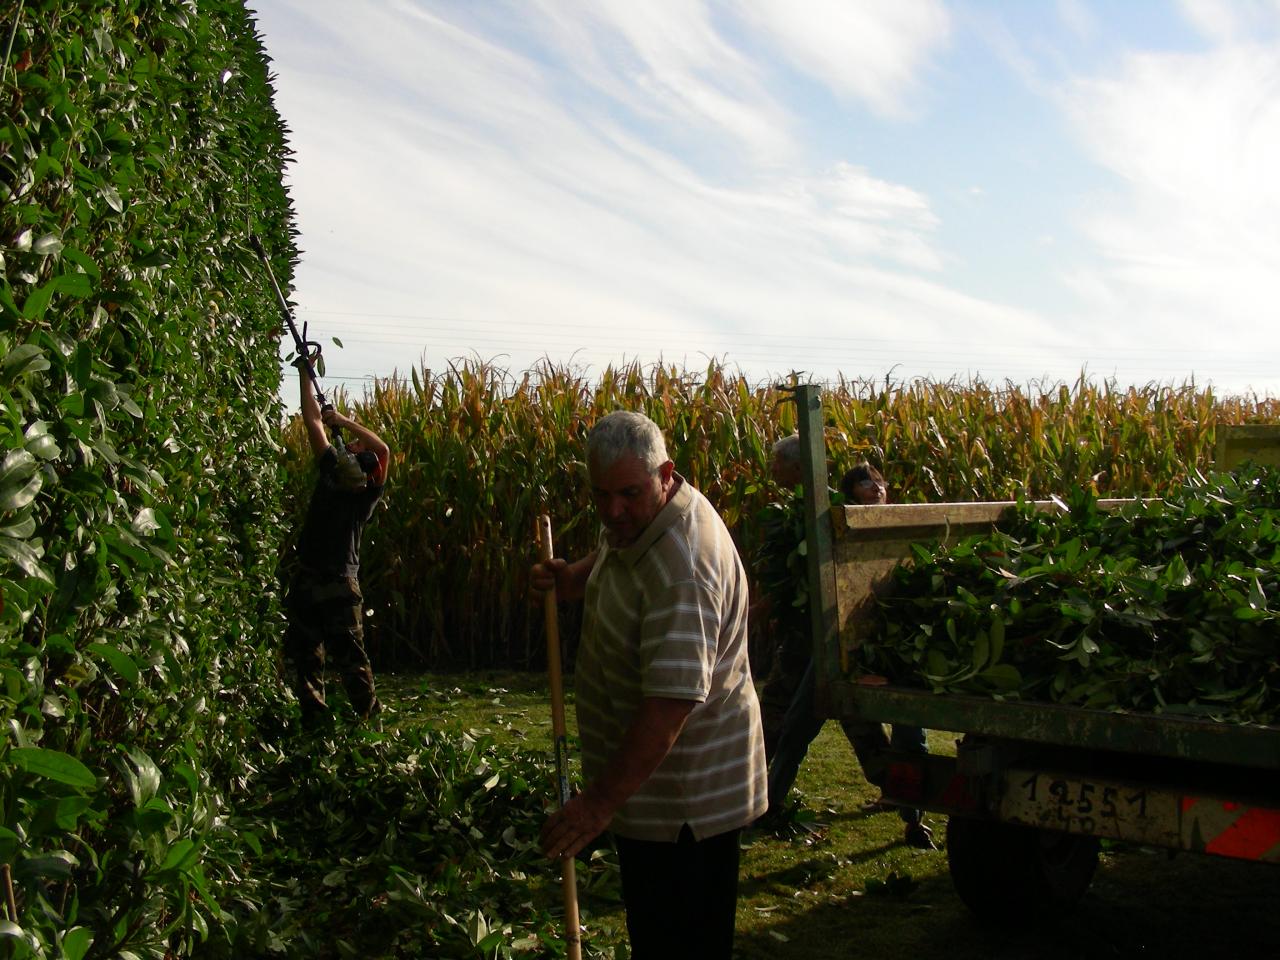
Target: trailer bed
<point x="1033" y="786"/>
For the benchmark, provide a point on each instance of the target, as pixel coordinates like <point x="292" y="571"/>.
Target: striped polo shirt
<point x="667" y="617"/>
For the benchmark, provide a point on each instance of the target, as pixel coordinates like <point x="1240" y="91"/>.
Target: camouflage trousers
<point x="326" y="623"/>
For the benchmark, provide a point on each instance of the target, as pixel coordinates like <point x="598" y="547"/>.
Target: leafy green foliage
<point x="780" y="564"/>
<point x="896" y="885"/>
<point x="417" y="843"/>
<point x="153" y="801"/>
<point x="139" y="513"/>
<point x="1165" y="605"/>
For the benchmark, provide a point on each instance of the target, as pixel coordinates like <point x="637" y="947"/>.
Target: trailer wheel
<point x="1010" y="874"/>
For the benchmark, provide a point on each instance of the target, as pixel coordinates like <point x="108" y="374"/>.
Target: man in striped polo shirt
<point x="672" y="749"/>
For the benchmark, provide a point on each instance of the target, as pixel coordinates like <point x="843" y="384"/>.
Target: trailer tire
<point x="1009" y="874"/>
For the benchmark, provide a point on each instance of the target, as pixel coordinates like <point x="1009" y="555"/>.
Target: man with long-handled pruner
<point x="672" y="752"/>
<point x="325" y="604"/>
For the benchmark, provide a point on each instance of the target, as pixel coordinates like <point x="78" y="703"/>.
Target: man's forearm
<point x="571" y="584"/>
<point x="316" y="436"/>
<point x="644" y="746"/>
<point x="370" y="439"/>
<point x="646" y="743"/>
<point x="310" y="406"/>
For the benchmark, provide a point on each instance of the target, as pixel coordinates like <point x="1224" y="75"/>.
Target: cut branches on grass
<point x="857" y="887"/>
<point x="416" y="840"/>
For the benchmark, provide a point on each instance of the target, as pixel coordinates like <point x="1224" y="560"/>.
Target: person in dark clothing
<point x="862" y="484"/>
<point x="324" y="604"/>
<point x="782" y="624"/>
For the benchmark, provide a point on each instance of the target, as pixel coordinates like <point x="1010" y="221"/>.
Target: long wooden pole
<point x="568" y="878"/>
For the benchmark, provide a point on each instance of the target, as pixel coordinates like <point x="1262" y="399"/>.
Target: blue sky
<point x="1014" y="191"/>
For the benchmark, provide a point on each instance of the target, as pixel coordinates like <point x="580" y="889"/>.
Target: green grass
<point x="850" y="887"/>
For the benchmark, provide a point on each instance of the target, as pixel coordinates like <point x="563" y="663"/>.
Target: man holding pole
<point x="672" y="751"/>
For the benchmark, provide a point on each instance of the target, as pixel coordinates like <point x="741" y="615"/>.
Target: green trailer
<point x="1033" y="787"/>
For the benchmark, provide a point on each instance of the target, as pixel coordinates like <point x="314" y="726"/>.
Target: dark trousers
<point x="681" y="897"/>
<point x="792" y="654"/>
<point x="326" y="623"/>
<point x="801" y="727"/>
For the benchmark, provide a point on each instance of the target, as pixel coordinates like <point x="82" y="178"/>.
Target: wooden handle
<point x="568" y="878"/>
<point x="552" y="622"/>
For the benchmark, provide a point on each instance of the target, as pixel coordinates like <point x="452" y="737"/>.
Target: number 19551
<point x="1080" y="798"/>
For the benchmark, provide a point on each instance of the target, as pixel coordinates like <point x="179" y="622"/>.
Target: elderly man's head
<point x="785" y="464"/>
<point x="632" y="478"/>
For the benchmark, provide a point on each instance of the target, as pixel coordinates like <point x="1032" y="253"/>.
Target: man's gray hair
<point x="787" y="450"/>
<point x="622" y="432"/>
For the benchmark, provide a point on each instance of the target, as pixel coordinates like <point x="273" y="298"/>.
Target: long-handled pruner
<point x="306" y="348"/>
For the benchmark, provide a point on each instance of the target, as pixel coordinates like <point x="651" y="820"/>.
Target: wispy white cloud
<point x="998" y="40"/>
<point x="451" y="169"/>
<point x="1078" y="18"/>
<point x="621" y="179"/>
<point x="872" y="218"/>
<point x="666" y="66"/>
<point x="870" y="52"/>
<point x="1187" y="238"/>
<point x="1226" y="21"/>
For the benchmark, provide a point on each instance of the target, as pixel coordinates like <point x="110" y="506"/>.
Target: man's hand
<point x="573" y="826"/>
<point x="544" y="577"/>
<point x="332" y="418"/>
<point x="645" y="744"/>
<point x="568" y="579"/>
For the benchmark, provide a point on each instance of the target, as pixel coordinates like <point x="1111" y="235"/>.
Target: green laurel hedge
<point x="139" y="504"/>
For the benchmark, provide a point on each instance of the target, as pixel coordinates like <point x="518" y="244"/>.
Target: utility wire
<point x="541" y="333"/>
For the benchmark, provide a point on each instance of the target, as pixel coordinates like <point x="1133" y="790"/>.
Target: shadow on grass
<point x="799" y="873"/>
<point x="1141" y="904"/>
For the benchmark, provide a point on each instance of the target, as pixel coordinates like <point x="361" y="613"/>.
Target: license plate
<point x="1100" y="808"/>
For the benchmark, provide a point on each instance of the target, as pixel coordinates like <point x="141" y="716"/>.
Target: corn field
<point x="478" y="453"/>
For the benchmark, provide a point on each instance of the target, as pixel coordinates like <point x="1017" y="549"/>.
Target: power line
<point x="539" y="334"/>
<point x="990" y="375"/>
<point x="872" y="359"/>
